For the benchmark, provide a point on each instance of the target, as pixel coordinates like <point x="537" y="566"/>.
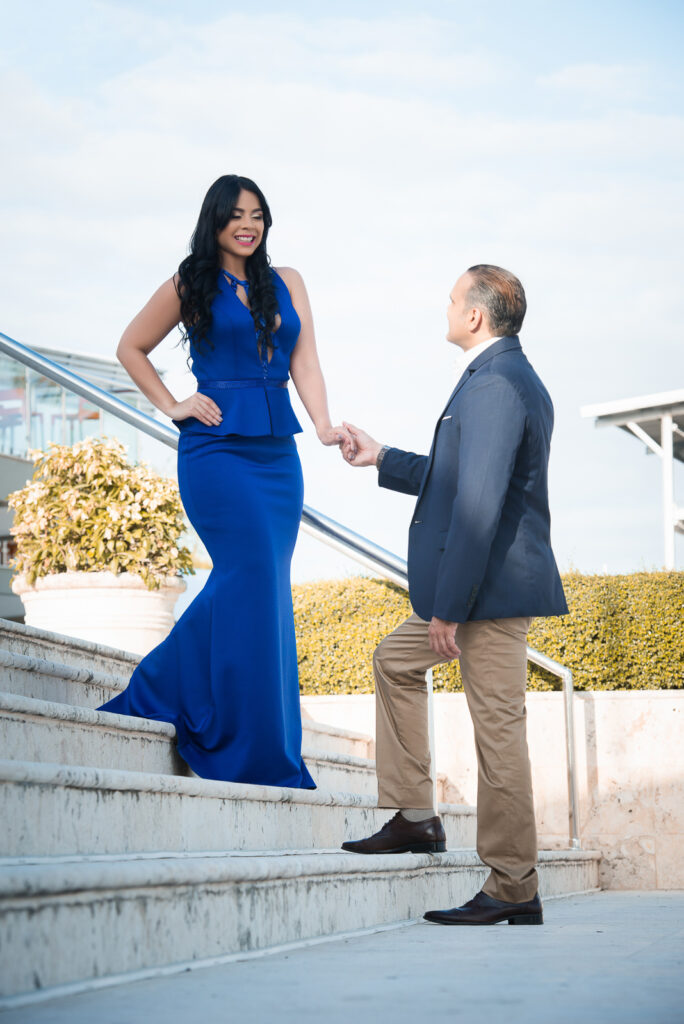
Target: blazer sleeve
<point x="402" y="471"/>
<point x="492" y="418"/>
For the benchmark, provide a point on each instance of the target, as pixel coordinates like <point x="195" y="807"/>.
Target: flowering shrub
<point x="87" y="508"/>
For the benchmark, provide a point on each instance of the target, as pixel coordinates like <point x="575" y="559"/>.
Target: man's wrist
<point x="381" y="455"/>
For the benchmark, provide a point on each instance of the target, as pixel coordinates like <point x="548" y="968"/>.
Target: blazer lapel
<point x="507" y="344"/>
<point x="462" y="380"/>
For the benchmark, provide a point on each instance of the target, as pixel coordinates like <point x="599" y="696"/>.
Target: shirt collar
<point x="464" y="360"/>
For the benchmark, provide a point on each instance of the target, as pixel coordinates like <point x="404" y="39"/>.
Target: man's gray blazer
<point x="479" y="540"/>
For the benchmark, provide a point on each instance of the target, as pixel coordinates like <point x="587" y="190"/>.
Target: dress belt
<point x="242" y="383"/>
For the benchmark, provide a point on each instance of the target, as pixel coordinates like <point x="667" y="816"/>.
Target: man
<point x="480" y="567"/>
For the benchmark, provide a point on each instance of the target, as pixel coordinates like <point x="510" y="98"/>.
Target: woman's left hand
<point x="339" y="436"/>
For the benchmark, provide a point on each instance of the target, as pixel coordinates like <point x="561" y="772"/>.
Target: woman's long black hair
<point x="198" y="274"/>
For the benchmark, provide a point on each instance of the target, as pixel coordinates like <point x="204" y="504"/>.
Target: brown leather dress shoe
<point x="399" y="835"/>
<point x="484" y="909"/>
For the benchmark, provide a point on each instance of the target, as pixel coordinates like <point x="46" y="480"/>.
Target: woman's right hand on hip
<point x="199" y="406"/>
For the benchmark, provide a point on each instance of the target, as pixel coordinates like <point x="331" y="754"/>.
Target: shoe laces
<point x="388" y="824"/>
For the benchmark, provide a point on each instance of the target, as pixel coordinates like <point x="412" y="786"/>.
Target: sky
<point x="396" y="148"/>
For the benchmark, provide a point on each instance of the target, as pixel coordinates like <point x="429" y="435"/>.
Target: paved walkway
<point x="604" y="958"/>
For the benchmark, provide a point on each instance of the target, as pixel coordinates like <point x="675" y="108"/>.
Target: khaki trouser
<point x="494" y="669"/>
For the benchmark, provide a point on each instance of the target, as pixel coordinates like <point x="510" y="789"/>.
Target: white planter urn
<point x="115" y="610"/>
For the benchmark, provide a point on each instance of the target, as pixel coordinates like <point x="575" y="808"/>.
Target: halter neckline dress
<point x="226" y="676"/>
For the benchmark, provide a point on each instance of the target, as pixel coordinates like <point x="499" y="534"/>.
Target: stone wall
<point x="630" y="772"/>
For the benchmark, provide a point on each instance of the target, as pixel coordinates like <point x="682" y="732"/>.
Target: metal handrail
<point x="80" y="386"/>
<point x="320" y="526"/>
<point x="556" y="669"/>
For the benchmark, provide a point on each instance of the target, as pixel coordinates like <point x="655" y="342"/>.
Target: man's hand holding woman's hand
<point x="339" y="436"/>
<point x="366" y="449"/>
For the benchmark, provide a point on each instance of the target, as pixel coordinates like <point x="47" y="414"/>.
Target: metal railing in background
<point x="94" y="394"/>
<point x="565" y="675"/>
<point x="324" y="529"/>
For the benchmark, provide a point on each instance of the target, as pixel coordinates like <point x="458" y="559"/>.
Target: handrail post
<point x="569" y="704"/>
<point x="431" y="736"/>
<point x="565" y="675"/>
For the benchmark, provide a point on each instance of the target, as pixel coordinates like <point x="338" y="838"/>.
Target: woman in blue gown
<point x="226" y="676"/>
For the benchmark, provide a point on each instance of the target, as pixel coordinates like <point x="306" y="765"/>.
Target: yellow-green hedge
<point x="623" y="633"/>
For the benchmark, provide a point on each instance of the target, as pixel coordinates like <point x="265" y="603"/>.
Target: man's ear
<point x="475" y="319"/>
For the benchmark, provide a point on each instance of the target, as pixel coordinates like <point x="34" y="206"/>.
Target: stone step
<point x="336" y="740"/>
<point x="16" y="638"/>
<point x="51" y="809"/>
<point x="44" y="679"/>
<point x="36" y="730"/>
<point x="341" y="772"/>
<point x="70" y="921"/>
<point x="52" y="667"/>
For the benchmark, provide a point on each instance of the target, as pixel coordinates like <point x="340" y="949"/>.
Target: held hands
<point x="339" y="436"/>
<point x="365" y="450"/>
<point x="442" y="637"/>
<point x="199" y="406"/>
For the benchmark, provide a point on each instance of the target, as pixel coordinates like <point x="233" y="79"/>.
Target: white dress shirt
<point x="466" y="357"/>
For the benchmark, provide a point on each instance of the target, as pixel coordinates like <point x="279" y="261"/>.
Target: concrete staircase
<point x="116" y="862"/>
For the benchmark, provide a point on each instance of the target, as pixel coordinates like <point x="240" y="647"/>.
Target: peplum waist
<point x="252" y="408"/>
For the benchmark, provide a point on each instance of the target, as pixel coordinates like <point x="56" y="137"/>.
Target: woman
<point x="226" y="676"/>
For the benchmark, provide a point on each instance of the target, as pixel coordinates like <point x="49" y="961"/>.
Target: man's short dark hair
<point x="500" y="295"/>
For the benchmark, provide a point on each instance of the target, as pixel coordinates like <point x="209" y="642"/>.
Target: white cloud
<point x="601" y="82"/>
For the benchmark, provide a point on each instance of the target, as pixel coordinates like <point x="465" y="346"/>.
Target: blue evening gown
<point x="226" y="675"/>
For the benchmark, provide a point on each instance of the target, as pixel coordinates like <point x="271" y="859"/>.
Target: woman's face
<point x="245" y="228"/>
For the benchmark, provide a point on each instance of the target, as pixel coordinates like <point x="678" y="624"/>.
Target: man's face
<point x="457" y="314"/>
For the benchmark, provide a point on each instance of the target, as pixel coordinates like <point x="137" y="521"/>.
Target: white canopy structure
<point x="658" y="422"/>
